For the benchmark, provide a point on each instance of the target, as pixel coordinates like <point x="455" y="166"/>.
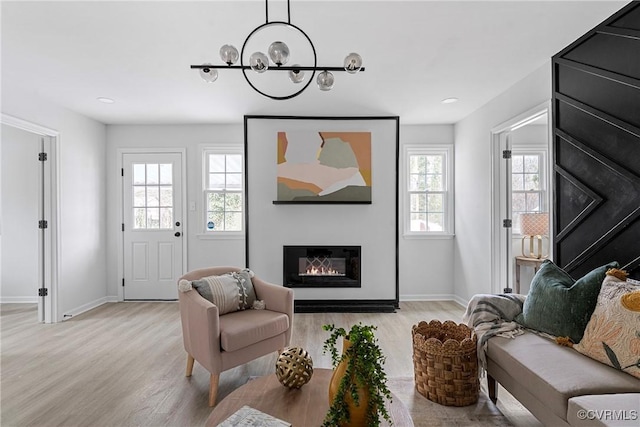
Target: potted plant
<point x="358" y="387"/>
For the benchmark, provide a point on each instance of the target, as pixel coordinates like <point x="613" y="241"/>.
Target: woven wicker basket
<point x="445" y="362"/>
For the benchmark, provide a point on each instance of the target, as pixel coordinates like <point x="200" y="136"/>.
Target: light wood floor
<point x="122" y="364"/>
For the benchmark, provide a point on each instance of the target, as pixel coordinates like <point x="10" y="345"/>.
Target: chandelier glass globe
<point x="279" y="53"/>
<point x="296" y="76"/>
<point x="325" y="81"/>
<point x="209" y="75"/>
<point x="259" y="62"/>
<point x="229" y="54"/>
<point x="352" y="63"/>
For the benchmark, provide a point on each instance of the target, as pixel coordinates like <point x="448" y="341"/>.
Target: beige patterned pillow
<point x="612" y="335"/>
<point x="229" y="292"/>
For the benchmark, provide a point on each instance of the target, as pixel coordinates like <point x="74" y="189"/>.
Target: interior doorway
<point x="522" y="193"/>
<point x="28" y="227"/>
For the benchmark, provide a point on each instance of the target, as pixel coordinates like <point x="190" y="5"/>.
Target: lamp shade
<point x="534" y="224"/>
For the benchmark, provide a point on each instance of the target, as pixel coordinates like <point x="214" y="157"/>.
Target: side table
<point x="526" y="262"/>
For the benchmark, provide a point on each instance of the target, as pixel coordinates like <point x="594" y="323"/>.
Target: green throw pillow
<point x="560" y="306"/>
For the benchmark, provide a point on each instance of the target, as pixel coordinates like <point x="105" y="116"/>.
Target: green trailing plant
<point x="364" y="369"/>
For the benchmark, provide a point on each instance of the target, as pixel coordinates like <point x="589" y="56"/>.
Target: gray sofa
<point x="560" y="386"/>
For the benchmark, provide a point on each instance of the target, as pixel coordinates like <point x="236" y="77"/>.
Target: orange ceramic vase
<point x="357" y="414"/>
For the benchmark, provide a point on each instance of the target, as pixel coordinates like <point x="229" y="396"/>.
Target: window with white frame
<point x="528" y="184"/>
<point x="429" y="200"/>
<point x="223" y="190"/>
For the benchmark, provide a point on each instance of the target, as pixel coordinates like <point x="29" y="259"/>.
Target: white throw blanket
<point x="492" y="315"/>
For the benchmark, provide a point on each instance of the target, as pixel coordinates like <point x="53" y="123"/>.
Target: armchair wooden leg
<point x="213" y="388"/>
<point x="190" y="361"/>
<point x="493" y="389"/>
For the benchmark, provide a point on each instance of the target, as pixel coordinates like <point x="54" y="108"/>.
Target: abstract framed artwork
<point x="321" y="160"/>
<point x="323" y="166"/>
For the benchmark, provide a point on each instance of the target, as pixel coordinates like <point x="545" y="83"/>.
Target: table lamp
<point x="535" y="227"/>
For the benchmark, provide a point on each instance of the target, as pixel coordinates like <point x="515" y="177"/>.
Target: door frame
<point x="498" y="264"/>
<point x="51" y="214"/>
<point x="120" y="206"/>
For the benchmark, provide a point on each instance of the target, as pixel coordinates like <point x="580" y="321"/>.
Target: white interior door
<point x="521" y="177"/>
<point x="506" y="221"/>
<point x="32" y="209"/>
<point x="152" y="225"/>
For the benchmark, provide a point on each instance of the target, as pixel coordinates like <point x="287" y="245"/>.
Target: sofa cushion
<point x="557" y="304"/>
<point x="555" y="373"/>
<point x="229" y="292"/>
<point x="243" y="328"/>
<point x="612" y="335"/>
<point x="622" y="409"/>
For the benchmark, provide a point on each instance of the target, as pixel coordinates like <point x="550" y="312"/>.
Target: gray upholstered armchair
<point x="221" y="342"/>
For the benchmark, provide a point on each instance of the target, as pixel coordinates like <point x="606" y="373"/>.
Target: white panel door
<point x="152" y="206"/>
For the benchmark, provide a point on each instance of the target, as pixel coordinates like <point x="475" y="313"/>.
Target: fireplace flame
<point x="322" y="271"/>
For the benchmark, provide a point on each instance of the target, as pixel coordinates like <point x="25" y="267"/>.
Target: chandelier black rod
<point x="276" y="68"/>
<point x="266" y="8"/>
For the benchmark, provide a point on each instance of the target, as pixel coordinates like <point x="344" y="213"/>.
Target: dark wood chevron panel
<point x="613" y="97"/>
<point x="629" y="20"/>
<point x="579" y="202"/>
<point x="592" y="128"/>
<point x="596" y="126"/>
<point x="603" y="50"/>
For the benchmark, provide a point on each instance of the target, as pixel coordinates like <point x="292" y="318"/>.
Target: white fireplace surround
<point x="373" y="226"/>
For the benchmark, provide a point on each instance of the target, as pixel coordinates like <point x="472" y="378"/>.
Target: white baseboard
<point x="463" y="302"/>
<point x="19" y="300"/>
<point x="86" y="307"/>
<point x="435" y="297"/>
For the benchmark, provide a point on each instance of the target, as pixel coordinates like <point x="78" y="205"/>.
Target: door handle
<point x="177" y="234"/>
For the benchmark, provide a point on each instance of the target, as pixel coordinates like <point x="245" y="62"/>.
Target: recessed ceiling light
<point x="449" y="100"/>
<point x="106" y="100"/>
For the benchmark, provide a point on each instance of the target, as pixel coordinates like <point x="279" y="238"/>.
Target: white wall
<point x="425" y="262"/>
<point x="85" y="277"/>
<point x="81" y="198"/>
<point x="420" y="259"/>
<point x="201" y="252"/>
<point x="20" y="192"/>
<point x="472" y="249"/>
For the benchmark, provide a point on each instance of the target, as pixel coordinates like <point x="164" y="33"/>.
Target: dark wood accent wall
<point x="596" y="132"/>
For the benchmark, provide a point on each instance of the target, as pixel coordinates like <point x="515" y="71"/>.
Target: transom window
<point x="528" y="187"/>
<point x="152" y="196"/>
<point x="223" y="191"/>
<point x="429" y="199"/>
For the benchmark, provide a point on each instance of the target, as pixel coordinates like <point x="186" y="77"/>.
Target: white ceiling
<point x="416" y="53"/>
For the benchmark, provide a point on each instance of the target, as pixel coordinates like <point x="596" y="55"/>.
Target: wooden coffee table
<point x="304" y="407"/>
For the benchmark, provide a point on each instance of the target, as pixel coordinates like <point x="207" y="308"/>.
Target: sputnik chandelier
<point x="258" y="65"/>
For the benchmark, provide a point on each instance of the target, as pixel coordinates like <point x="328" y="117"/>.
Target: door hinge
<point x="506" y="154"/>
<point x="42" y="224"/>
<point x="507" y="223"/>
<point x="123" y="226"/>
<point x="121" y="171"/>
<point x="43" y="292"/>
<point x="42" y="157"/>
<point x="123" y="282"/>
